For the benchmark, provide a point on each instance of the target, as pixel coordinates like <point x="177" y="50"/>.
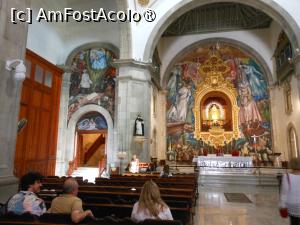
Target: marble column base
<point x="8" y="187"/>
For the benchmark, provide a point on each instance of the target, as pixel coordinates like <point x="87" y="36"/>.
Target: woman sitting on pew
<point x="150" y="205"/>
<point x="27" y="201"/>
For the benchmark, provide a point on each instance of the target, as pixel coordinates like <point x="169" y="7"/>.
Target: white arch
<point x="273" y="8"/>
<point x="72" y="127"/>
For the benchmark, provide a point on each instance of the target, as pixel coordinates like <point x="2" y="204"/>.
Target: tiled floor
<point x="213" y="209"/>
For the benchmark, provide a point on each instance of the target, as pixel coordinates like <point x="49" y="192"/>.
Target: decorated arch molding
<point x="214" y="72"/>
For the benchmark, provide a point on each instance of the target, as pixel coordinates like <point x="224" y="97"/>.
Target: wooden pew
<point x="63" y="219"/>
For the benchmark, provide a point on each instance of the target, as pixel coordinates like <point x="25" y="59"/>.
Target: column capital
<point x="118" y="63"/>
<point x="130" y="65"/>
<point x="65" y="68"/>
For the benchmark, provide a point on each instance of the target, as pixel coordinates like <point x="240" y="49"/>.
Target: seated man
<point x="69" y="202"/>
<point x="166" y="172"/>
<point x="26" y="200"/>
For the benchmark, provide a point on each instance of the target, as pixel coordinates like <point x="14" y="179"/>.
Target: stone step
<point x="263" y="180"/>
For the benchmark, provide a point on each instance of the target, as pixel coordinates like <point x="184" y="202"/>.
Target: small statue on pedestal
<point x="139" y="126"/>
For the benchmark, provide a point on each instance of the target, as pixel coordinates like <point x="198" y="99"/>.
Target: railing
<point x="95" y="146"/>
<point x="73" y="165"/>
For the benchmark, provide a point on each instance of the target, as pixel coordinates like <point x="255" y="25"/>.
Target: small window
<point x="48" y="79"/>
<point x="293" y="143"/>
<point x="28" y="68"/>
<point x="38" y="76"/>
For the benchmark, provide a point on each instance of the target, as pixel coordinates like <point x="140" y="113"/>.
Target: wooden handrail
<point x="73" y="165"/>
<point x="90" y="152"/>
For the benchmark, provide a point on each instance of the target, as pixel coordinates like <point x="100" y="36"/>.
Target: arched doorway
<point x="91" y="134"/>
<point x="70" y="151"/>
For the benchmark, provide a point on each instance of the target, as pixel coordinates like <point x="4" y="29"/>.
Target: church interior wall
<point x="281" y="119"/>
<point x="63" y="38"/>
<point x="166" y="13"/>
<point x="153" y="132"/>
<point x="250" y="82"/>
<point x="92" y="85"/>
<point x="40" y="33"/>
<point x="134" y="97"/>
<point x="12" y="42"/>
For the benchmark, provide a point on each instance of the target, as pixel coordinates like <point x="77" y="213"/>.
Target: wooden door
<point x="40" y="101"/>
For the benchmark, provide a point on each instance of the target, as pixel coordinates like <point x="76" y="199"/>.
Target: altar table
<point x="223" y="161"/>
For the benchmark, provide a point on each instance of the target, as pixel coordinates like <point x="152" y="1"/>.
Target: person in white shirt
<point x="134" y="165"/>
<point x="290" y="192"/>
<point x="150" y="205"/>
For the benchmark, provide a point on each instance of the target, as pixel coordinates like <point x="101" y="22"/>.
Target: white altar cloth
<point x="221" y="161"/>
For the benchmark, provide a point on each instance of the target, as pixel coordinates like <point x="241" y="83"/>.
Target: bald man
<point x="68" y="202"/>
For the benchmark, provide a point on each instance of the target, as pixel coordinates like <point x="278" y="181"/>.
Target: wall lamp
<point x="17" y="66"/>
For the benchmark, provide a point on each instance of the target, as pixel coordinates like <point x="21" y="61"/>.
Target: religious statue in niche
<point x="139" y="126"/>
<point x="214" y="114"/>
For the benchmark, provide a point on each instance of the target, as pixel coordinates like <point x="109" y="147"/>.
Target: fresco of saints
<point x="178" y="111"/>
<point x="98" y="59"/>
<point x="257" y="83"/>
<point x="248" y="108"/>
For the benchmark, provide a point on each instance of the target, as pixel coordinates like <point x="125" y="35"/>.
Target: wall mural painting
<point x="92" y="121"/>
<point x="250" y="83"/>
<point x="92" y="80"/>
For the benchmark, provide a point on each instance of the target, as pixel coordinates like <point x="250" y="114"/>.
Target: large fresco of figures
<point x="92" y="80"/>
<point x="250" y="82"/>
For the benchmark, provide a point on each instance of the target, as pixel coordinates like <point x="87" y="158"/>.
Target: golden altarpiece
<point x="216" y="110"/>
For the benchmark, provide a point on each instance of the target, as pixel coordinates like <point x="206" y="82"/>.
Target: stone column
<point x="162" y="124"/>
<point x="133" y="96"/>
<point x="12" y="46"/>
<point x="61" y="162"/>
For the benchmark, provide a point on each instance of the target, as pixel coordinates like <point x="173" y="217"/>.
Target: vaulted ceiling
<point x="218" y="17"/>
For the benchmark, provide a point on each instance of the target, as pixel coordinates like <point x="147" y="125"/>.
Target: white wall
<point x="55" y="41"/>
<point x="43" y="38"/>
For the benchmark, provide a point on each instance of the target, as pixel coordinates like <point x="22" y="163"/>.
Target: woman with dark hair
<point x="150" y="205"/>
<point x="290" y="192"/>
<point x="27" y="200"/>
